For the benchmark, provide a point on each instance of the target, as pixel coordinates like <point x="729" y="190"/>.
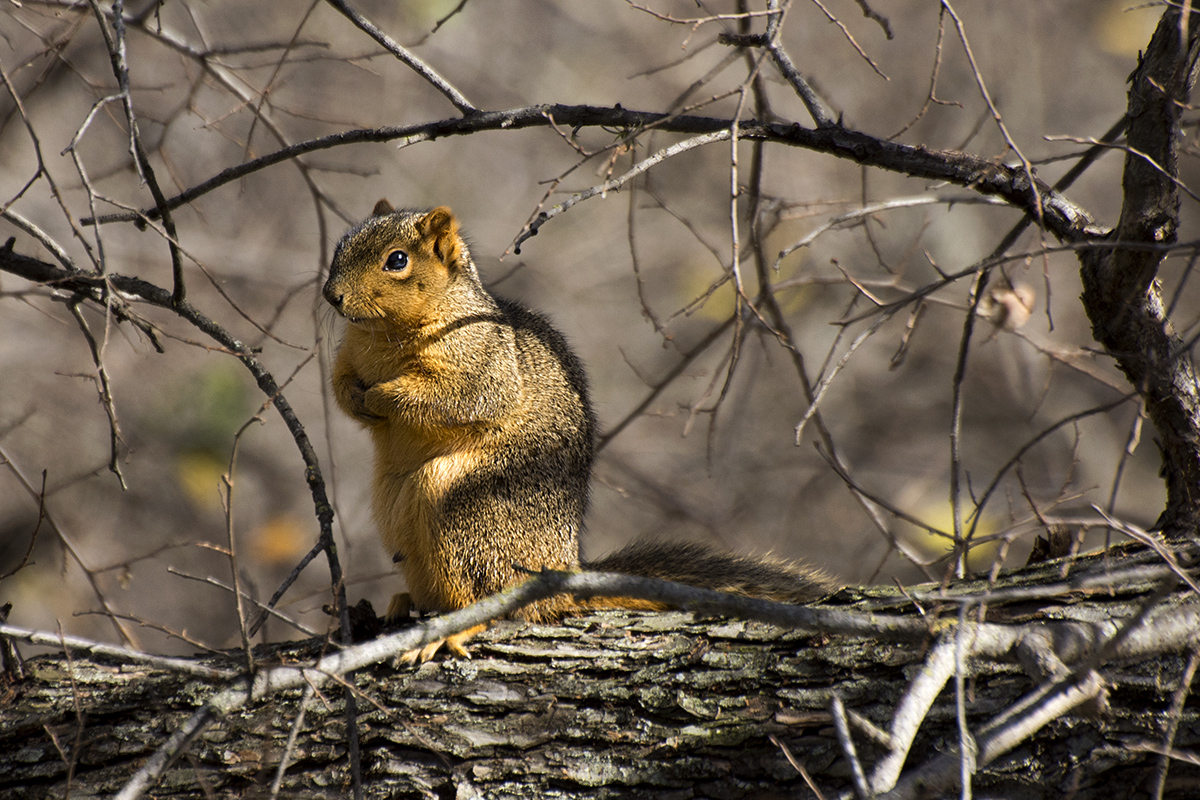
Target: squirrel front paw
<point x="359" y="407"/>
<point x="379" y="400"/>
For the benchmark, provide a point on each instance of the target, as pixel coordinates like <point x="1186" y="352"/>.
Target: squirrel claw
<point x="455" y="647"/>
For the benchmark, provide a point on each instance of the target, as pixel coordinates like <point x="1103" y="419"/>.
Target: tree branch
<point x="1062" y="218"/>
<point x="1120" y="295"/>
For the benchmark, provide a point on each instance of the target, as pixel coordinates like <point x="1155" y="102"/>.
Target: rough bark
<point x="1121" y="295"/>
<point x="610" y="705"/>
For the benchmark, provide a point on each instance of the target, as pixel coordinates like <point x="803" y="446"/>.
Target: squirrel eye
<point x="397" y="260"/>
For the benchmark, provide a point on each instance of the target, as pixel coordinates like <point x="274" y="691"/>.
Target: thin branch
<point x="438" y="25"/>
<point x="815" y="105"/>
<point x="690" y="356"/>
<point x="866" y="211"/>
<point x="931" y="97"/>
<point x="987" y="99"/>
<point x="977" y="514"/>
<point x="819" y="393"/>
<point x="267" y="610"/>
<point x="542" y="218"/>
<point x="290" y="747"/>
<point x="68" y="544"/>
<point x="187" y="666"/>
<point x="1132" y="152"/>
<point x="927" y="684"/>
<point x="413" y="62"/>
<point x="841" y="726"/>
<point x="115" y="42"/>
<point x="1173" y="718"/>
<point x="228" y="482"/>
<point x="104" y="387"/>
<point x="850" y="38"/>
<point x="942" y="773"/>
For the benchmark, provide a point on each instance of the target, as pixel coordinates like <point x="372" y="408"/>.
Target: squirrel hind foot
<point x="401" y="607"/>
<point x="455" y="647"/>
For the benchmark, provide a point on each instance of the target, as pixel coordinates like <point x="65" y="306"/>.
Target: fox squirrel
<point x="484" y="433"/>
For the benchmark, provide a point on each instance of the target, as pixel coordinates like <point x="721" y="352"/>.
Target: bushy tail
<point x="697" y="565"/>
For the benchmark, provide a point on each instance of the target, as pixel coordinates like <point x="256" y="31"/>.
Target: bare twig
<point x="228" y="483"/>
<point x="936" y="670"/>
<point x="104" y="387"/>
<point x="413" y="62"/>
<point x="842" y="727"/>
<point x="819" y="393"/>
<point x="267" y="610"/>
<point x="796" y="765"/>
<point x="815" y="105"/>
<point x="115" y="41"/>
<point x="438" y="25"/>
<point x="930" y="98"/>
<point x="531" y="229"/>
<point x="189" y="666"/>
<point x="1001" y="735"/>
<point x="850" y="38"/>
<point x="1173" y="717"/>
<point x="69" y="545"/>
<point x="712" y="337"/>
<point x="977" y="513"/>
<point x="297" y="723"/>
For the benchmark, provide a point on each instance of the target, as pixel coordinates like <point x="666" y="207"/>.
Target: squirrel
<point x="484" y="434"/>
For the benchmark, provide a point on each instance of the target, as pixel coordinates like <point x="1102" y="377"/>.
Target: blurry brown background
<point x="203" y="71"/>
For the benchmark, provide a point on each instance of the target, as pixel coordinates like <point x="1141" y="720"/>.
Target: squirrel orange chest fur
<point x="418" y="461"/>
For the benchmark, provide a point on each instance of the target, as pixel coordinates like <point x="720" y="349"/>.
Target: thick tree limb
<point x="1120" y="294"/>
<point x="625" y="705"/>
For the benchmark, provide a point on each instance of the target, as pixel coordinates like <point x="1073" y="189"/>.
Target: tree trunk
<point x="1120" y="290"/>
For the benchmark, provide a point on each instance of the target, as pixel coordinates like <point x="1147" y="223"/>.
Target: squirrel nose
<point x="333" y="297"/>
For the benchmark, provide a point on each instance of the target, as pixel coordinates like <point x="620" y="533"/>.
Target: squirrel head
<point x="396" y="268"/>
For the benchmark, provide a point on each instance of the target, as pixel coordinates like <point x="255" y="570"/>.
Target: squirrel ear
<point x="441" y="227"/>
<point x="381" y="208"/>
